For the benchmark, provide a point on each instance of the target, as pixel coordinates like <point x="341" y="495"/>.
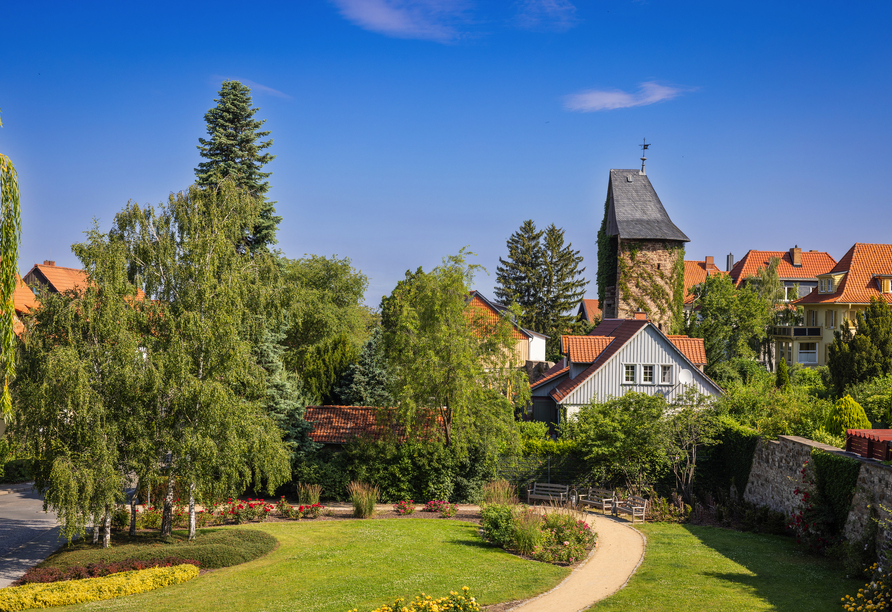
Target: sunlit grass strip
<point x="69" y="592"/>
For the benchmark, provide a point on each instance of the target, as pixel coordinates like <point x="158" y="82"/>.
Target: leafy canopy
<point x="10" y="232"/>
<point x="862" y="352"/>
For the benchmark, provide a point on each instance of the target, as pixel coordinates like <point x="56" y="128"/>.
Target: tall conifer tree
<point x="519" y="279"/>
<point x="235" y="151"/>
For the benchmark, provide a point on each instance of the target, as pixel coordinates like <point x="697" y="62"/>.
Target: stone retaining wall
<point x="775" y="473"/>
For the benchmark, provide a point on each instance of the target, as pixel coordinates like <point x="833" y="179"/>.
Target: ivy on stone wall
<point x="645" y="288"/>
<point x="835" y="479"/>
<point x="606" y="258"/>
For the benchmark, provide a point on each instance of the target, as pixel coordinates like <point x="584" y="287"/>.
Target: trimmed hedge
<point x="729" y="462"/>
<point x="93" y="589"/>
<point x="45" y="575"/>
<point x="835" y="479"/>
<point x="213" y="548"/>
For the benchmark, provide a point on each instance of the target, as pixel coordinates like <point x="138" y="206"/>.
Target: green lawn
<point x="334" y="566"/>
<point x="694" y="568"/>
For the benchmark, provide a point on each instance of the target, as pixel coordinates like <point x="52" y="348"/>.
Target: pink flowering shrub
<point x="566" y="539"/>
<point x="448" y="510"/>
<point x="404" y="507"/>
<point x="435" y="505"/>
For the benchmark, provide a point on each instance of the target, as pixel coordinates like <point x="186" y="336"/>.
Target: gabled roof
<point x="584" y="349"/>
<point x="341" y="424"/>
<point x="695" y="272"/>
<point x="60" y="279"/>
<point x="861" y="263"/>
<point x="621" y="331"/>
<point x="634" y="210"/>
<point x="589" y="310"/>
<point x="813" y="264"/>
<point x="692" y="348"/>
<point x="492" y="312"/>
<point x="23" y="298"/>
<point x="551" y="374"/>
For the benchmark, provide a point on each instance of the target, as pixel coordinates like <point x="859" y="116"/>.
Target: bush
<point x="448" y="510"/>
<point x="404" y="507"/>
<point x="496" y="522"/>
<point x="566" y="539"/>
<point x="45" y="575"/>
<point x="363" y="498"/>
<point x="308" y="494"/>
<point x="846" y="414"/>
<point x="876" y="594"/>
<point x="499" y="492"/>
<point x="874" y="396"/>
<point x="526" y="532"/>
<point x="454" y="602"/>
<point x="825" y="437"/>
<point x="532" y="430"/>
<point x="93" y="589"/>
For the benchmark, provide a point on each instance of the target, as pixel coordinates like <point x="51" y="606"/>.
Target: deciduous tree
<point x="10" y="231"/>
<point x="863" y="352"/>
<point x="449" y="362"/>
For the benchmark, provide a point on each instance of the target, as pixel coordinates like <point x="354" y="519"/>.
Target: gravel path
<point x="619" y="553"/>
<point x="28" y="535"/>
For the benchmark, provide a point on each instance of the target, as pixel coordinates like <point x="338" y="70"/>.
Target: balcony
<point x="797" y="331"/>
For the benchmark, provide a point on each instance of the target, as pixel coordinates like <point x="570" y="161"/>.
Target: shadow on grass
<point x="781" y="573"/>
<point x="471" y="543"/>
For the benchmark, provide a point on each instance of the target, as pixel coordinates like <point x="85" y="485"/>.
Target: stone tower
<point x="640" y="254"/>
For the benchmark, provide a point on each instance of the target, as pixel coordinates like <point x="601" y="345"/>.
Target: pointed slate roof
<point x="635" y="211"/>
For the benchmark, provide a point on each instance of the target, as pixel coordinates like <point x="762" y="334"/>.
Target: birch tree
<point x="10" y="231"/>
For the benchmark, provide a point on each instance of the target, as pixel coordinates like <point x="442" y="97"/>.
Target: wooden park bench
<point x="634" y="506"/>
<point x="602" y="499"/>
<point x="548" y="492"/>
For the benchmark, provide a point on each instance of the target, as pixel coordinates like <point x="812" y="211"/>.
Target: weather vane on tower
<point x="644" y="146"/>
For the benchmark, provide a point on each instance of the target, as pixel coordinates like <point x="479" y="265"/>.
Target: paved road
<point x="27" y="534"/>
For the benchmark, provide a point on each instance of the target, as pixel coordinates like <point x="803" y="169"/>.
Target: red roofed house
<point x="589" y="311"/>
<point x="55" y="279"/>
<point x="618" y="356"/>
<point x="795" y="269"/>
<point x="695" y="272"/>
<point x="342" y="424"/>
<point x="840" y="292"/>
<point x="529" y="345"/>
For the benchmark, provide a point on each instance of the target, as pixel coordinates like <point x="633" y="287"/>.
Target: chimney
<point x="729" y="262"/>
<point x="796" y="256"/>
<point x="709" y="261"/>
<point x="641" y="316"/>
<point x="47" y="262"/>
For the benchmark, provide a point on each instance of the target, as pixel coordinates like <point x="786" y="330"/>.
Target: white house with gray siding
<point x="620" y="355"/>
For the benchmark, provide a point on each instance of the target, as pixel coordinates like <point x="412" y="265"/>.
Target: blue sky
<point x="407" y="129"/>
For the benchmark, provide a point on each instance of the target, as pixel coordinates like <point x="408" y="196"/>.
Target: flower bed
<point x="70" y="592"/>
<point x="43" y="575"/>
<point x="404" y="507"/>
<point x="454" y="602"/>
<point x="553" y="537"/>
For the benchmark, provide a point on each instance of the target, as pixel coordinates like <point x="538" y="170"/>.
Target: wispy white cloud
<point x="255" y="87"/>
<point x="546" y="14"/>
<point x="599" y="99"/>
<point x="421" y="19"/>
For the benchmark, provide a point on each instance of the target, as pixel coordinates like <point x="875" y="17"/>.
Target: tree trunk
<point x="192" y="510"/>
<point x="95" y="531"/>
<point x="106" y="533"/>
<point x="133" y="500"/>
<point x="167" y="515"/>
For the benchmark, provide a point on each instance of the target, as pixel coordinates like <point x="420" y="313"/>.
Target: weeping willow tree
<point x="10" y="230"/>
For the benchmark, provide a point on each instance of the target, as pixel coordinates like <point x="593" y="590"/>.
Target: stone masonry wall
<point x="645" y="281"/>
<point x="775" y="473"/>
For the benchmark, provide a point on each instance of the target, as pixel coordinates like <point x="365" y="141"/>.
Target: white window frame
<point x="653" y="374"/>
<point x="822" y="288"/>
<point x="808" y="353"/>
<point x="626" y="367"/>
<point x="671" y="370"/>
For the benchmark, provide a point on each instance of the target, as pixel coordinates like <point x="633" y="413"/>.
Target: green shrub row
<point x="71" y="592"/>
<point x="835" y="480"/>
<point x="412" y="470"/>
<point x="730" y="461"/>
<point x="214" y="548"/>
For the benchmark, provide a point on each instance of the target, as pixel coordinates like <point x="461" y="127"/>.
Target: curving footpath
<point x="619" y="553"/>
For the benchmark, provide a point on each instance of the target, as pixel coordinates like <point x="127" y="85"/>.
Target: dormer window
<point x="826" y="285"/>
<point x="822" y="286"/>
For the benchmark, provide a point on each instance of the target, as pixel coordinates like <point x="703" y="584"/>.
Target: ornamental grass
<point x="308" y="494"/>
<point x="500" y="492"/>
<point x="363" y="498"/>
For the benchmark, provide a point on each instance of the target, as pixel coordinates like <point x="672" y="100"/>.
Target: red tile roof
<point x="695" y="272"/>
<point x="861" y="263"/>
<point x="551" y="374"/>
<point x="692" y="348"/>
<point x="341" y="424"/>
<point x="590" y="309"/>
<point x="584" y="349"/>
<point x="62" y="279"/>
<point x="876" y="435"/>
<point x="813" y="263"/>
<point x="621" y="330"/>
<point x="23" y="297"/>
<point x="481" y="307"/>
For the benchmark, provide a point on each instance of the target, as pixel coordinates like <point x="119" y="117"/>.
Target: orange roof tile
<point x="695" y="272"/>
<point x="480" y="306"/>
<point x="584" y="349"/>
<point x="692" y="348"/>
<point x="551" y="374"/>
<point x="858" y="286"/>
<point x="63" y="279"/>
<point x="813" y="263"/>
<point x="591" y="309"/>
<point x="341" y="424"/>
<point x="23" y="297"/>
